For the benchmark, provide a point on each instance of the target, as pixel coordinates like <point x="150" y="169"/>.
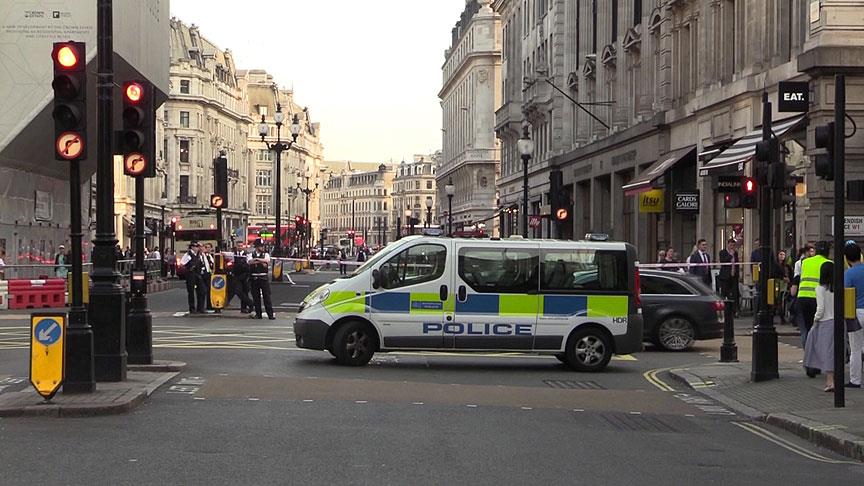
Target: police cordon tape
<point x="683" y="265"/>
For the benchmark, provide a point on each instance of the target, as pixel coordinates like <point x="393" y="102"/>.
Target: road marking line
<point x="527" y="408"/>
<point x="308" y="401"/>
<point x="252" y="399"/>
<point x="578" y="409"/>
<point x="635" y="413"/>
<point x="471" y="406"/>
<point x="651" y="377"/>
<point x="360" y="401"/>
<point x="790" y="446"/>
<point x="417" y="403"/>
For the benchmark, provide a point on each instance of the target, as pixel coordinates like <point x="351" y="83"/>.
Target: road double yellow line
<point x="651" y="377"/>
<point x="788" y="445"/>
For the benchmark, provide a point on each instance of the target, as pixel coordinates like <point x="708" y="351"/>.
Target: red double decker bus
<point x="268" y="234"/>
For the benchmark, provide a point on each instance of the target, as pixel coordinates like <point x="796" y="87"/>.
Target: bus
<point x="268" y="233"/>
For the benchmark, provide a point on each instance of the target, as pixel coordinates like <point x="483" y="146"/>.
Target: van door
<point x="496" y="298"/>
<point x="412" y="295"/>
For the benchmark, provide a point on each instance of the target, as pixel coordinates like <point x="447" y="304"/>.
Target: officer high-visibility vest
<point x="810" y="269"/>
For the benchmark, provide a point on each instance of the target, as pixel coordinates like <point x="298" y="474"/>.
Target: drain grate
<point x="574" y="385"/>
<point x="648" y="423"/>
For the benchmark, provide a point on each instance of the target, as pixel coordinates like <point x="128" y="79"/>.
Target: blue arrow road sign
<point x="218" y="282"/>
<point x="47" y="332"/>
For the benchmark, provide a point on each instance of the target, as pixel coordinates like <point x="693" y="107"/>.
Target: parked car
<point x="679" y="309"/>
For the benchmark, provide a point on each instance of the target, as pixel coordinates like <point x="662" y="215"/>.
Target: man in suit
<point x="700" y="260"/>
<point x="728" y="276"/>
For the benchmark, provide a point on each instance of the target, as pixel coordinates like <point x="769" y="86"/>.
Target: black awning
<point x="644" y="181"/>
<point x="733" y="158"/>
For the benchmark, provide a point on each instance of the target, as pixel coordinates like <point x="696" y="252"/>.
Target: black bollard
<point x="729" y="350"/>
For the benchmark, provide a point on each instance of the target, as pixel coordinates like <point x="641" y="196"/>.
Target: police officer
<point x="259" y="262"/>
<point x="194" y="278"/>
<point x="810" y="270"/>
<point x="239" y="281"/>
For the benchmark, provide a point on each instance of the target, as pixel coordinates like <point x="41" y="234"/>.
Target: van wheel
<point x="589" y="349"/>
<point x="354" y="344"/>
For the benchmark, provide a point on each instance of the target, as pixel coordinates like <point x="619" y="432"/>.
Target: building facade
<point x="300" y="165"/>
<point x="469" y="95"/>
<point x="413" y="185"/>
<point x="670" y="97"/>
<point x="358" y="201"/>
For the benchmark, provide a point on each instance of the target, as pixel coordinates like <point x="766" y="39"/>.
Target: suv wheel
<point x="589" y="349"/>
<point x="354" y="344"/>
<point x="675" y="334"/>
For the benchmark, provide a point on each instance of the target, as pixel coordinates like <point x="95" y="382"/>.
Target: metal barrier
<point x="43" y="271"/>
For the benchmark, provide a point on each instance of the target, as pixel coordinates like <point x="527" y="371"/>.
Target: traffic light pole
<point x="139" y="321"/>
<point x="107" y="303"/>
<point x="80" y="372"/>
<point x="764" y="364"/>
<point x="220" y="243"/>
<point x="839" y="236"/>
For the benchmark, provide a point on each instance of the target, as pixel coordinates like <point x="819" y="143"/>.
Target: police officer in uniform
<point x="810" y="270"/>
<point x="239" y="282"/>
<point x="259" y="261"/>
<point x="195" y="289"/>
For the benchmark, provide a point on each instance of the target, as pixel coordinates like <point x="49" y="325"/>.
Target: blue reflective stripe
<point x="565" y="305"/>
<point x="479" y="304"/>
<point x="390" y="302"/>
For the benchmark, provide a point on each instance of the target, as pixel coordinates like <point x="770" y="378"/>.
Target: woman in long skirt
<point x="819" y="350"/>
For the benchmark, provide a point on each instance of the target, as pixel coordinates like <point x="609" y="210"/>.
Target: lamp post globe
<point x="450" y="190"/>
<point x="409" y="221"/>
<point x="526" y="148"/>
<point x="429" y="203"/>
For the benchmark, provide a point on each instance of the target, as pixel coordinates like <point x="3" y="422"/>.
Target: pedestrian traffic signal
<point x="220" y="179"/>
<point x="825" y="140"/>
<point x="749" y="199"/>
<point x="70" y="100"/>
<point x="136" y="141"/>
<point x="732" y="200"/>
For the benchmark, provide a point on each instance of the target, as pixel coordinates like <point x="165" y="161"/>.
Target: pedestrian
<point x="819" y="350"/>
<point x="728" y="276"/>
<point x="806" y="252"/>
<point x="238" y="281"/>
<point x="361" y="255"/>
<point x="2" y="264"/>
<point x="194" y="265"/>
<point x="661" y="256"/>
<point x="154" y="255"/>
<point x="700" y="262"/>
<point x="207" y="259"/>
<point x="343" y="267"/>
<point x="259" y="262"/>
<point x="756" y="254"/>
<point x="61" y="260"/>
<point x="809" y="281"/>
<point x="854" y="278"/>
<point x="671" y="261"/>
<point x="170" y="263"/>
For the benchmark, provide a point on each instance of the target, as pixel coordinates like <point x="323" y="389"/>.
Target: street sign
<point x="135" y="164"/>
<point x="218" y="290"/>
<point x="652" y="201"/>
<point x="687" y="201"/>
<point x="853" y="225"/>
<point x="793" y="96"/>
<point x="534" y="221"/>
<point x="70" y="146"/>
<point x="728" y="184"/>
<point x="47" y="352"/>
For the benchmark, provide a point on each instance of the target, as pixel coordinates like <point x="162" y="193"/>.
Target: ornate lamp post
<point x="526" y="148"/>
<point x="450" y="189"/>
<point x="307" y="192"/>
<point x="279" y="147"/>
<point x="429" y="204"/>
<point x="409" y="221"/>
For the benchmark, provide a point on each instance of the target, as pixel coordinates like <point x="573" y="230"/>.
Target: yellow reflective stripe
<point x="345" y="302"/>
<point x="518" y="305"/>
<point x="607" y="305"/>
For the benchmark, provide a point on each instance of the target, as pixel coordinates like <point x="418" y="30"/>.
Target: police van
<point x="576" y="300"/>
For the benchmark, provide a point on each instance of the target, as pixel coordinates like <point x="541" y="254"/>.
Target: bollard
<point x="728" y="350"/>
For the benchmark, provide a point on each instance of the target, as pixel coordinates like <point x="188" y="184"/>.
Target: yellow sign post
<point x="277" y="269"/>
<point x="85" y="288"/>
<point x="47" y="352"/>
<point x="218" y="290"/>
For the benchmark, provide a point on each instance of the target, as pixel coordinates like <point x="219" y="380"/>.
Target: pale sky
<point x="369" y="70"/>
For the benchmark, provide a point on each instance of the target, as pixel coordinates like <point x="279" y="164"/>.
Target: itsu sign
<point x="793" y="96"/>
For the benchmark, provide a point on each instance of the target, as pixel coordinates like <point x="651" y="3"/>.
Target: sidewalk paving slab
<point x="108" y="399"/>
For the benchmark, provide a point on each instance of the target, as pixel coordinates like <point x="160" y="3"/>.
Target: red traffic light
<point x="66" y="55"/>
<point x="134" y="92"/>
<point x="174" y="220"/>
<point x="749" y="185"/>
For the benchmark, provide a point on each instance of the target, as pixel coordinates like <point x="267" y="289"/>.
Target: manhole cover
<point x="574" y="385"/>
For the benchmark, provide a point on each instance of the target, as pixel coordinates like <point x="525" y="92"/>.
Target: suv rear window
<point x="651" y="285"/>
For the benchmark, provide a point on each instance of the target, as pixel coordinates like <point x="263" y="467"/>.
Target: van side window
<point x="583" y="270"/>
<point x="499" y="271"/>
<point x="416" y="265"/>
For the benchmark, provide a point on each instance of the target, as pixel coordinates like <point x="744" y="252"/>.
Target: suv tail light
<point x="638" y="291"/>
<point x="720" y="308"/>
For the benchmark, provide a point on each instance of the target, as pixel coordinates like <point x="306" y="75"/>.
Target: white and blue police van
<point x="576" y="300"/>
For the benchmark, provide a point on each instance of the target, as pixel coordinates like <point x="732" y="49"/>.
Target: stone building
<point x="413" y="184"/>
<point x="302" y="162"/>
<point x="670" y="95"/>
<point x="358" y="201"/>
<point x="470" y="93"/>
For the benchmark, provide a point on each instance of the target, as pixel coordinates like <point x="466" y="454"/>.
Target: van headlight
<point x="315" y="298"/>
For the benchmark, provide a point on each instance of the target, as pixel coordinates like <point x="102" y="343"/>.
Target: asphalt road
<point x="251" y="408"/>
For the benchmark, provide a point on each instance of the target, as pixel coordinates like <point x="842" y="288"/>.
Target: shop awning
<point x="645" y="180"/>
<point x="733" y="158"/>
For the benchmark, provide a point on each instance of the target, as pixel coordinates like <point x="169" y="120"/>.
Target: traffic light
<point x="173" y="226"/>
<point x="732" y="200"/>
<point x="749" y="196"/>
<point x="825" y="163"/>
<point x="558" y="200"/>
<point x="70" y="100"/>
<point x="220" y="179"/>
<point x="217" y="201"/>
<point x="137" y="139"/>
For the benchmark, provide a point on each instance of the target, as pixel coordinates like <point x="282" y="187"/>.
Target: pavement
<point x="793" y="402"/>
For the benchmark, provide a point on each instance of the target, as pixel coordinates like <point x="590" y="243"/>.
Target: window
<point x="428" y="184"/>
<point x="264" y="156"/>
<point x="262" y="178"/>
<point x="614" y="21"/>
<point x="184" y="187"/>
<point x="184" y="86"/>
<point x="262" y="204"/>
<point x="637" y="12"/>
<point x="504" y="270"/>
<point x="661" y="286"/>
<point x="416" y="265"/>
<point x="416" y="185"/>
<point x="184" y="119"/>
<point x="184" y="151"/>
<point x="584" y="269"/>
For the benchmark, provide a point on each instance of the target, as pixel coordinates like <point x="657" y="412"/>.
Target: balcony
<point x="188" y="200"/>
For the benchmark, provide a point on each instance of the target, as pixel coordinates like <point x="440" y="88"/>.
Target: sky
<point x="368" y="70"/>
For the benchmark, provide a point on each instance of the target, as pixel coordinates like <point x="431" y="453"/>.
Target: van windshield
<point x="372" y="261"/>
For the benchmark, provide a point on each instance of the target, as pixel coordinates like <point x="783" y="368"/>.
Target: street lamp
<point x="308" y="192"/>
<point x="526" y="148"/>
<point x="409" y="220"/>
<point x="279" y="147"/>
<point x="164" y="268"/>
<point x="450" y="189"/>
<point x="429" y="211"/>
